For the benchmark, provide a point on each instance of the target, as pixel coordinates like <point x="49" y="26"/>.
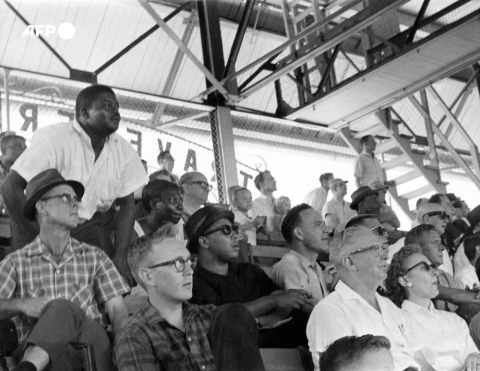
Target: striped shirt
<point x="84" y="275"/>
<point x="149" y="342"/>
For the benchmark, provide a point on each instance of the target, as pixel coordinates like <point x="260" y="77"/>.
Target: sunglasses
<point x="379" y="249"/>
<point x="425" y="265"/>
<point x="226" y="229"/>
<point x="442" y="214"/>
<point x="380" y="231"/>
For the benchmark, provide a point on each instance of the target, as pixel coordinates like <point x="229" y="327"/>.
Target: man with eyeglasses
<point x="218" y="279"/>
<point x="355" y="308"/>
<point x="56" y="289"/>
<point x="307" y="236"/>
<point x="168" y="333"/>
<point x="195" y="189"/>
<point x="452" y="297"/>
<point x="11" y="146"/>
<point x="89" y="150"/>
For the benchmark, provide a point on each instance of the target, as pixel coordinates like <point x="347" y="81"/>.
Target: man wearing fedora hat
<point x="88" y="150"/>
<point x="56" y="288"/>
<point x="218" y="279"/>
<point x="386" y="215"/>
<point x="337" y="210"/>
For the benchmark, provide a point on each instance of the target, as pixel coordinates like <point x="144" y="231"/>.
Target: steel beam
<point x="215" y="83"/>
<point x="177" y="62"/>
<point x="428" y="126"/>
<point x="6" y="74"/>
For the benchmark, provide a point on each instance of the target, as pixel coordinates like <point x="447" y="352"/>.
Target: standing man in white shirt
<point x="307" y="236"/>
<point x="87" y="150"/>
<point x="355" y="308"/>
<point x="337" y="210"/>
<point x="367" y="168"/>
<point x="265" y="204"/>
<point x="317" y="197"/>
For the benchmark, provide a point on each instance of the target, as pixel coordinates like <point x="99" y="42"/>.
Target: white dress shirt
<point x="316" y="199"/>
<point x="342" y="211"/>
<point x="242" y="219"/>
<point x="264" y="205"/>
<point x="443" y="337"/>
<point x="295" y="271"/>
<point x="116" y="173"/>
<point x="345" y="313"/>
<point x="367" y="168"/>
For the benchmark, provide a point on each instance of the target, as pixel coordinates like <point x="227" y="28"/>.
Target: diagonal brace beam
<point x="184" y="48"/>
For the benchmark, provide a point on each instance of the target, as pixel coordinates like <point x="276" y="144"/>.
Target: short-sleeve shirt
<point x="264" y="206"/>
<point x="149" y="342"/>
<point x="443" y="337"/>
<point x="244" y="282"/>
<point x="242" y="219"/>
<point x="367" y="168"/>
<point x="295" y="271"/>
<point x="85" y="275"/>
<point x="316" y="199"/>
<point x="345" y="313"/>
<point x="342" y="211"/>
<point x="66" y="147"/>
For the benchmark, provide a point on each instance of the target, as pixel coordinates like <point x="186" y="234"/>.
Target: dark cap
<point x="41" y="184"/>
<point x="473" y="216"/>
<point x="200" y="221"/>
<point x="360" y="194"/>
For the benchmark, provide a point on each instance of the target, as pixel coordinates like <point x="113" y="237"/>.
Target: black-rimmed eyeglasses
<point x="425" y="265"/>
<point x="226" y="230"/>
<point x="380" y="231"/>
<point x="205" y="186"/>
<point x="379" y="249"/>
<point x="65" y="197"/>
<point x="179" y="263"/>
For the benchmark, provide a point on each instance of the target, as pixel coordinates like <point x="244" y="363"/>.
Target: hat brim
<point x="29" y="209"/>
<point x="192" y="244"/>
<point x="356" y="201"/>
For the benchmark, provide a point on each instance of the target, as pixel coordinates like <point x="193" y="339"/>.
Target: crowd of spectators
<point x="92" y="233"/>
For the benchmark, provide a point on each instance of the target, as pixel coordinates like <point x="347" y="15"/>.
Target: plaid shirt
<point x="150" y="343"/>
<point x="84" y="275"/>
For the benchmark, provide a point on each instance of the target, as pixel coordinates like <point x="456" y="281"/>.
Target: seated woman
<point x="442" y="337"/>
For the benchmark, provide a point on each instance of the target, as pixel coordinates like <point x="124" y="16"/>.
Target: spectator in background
<point x="460" y="260"/>
<point x="364" y="201"/>
<point x="443" y="338"/>
<point x="90" y="151"/>
<point x="337" y="210"/>
<point x="451" y="236"/>
<point x="58" y="290"/>
<point x="358" y="353"/>
<point x="11" y="146"/>
<point x="194" y="188"/>
<point x="218" y="279"/>
<point x="355" y="308"/>
<point x="163" y="203"/>
<point x="386" y="216"/>
<point x="367" y="168"/>
<point x="166" y="161"/>
<point x="460" y="220"/>
<point x="468" y="275"/>
<point x="265" y="204"/>
<point x="163" y="175"/>
<point x="230" y="191"/>
<point x="317" y="197"/>
<point x="421" y="201"/>
<point x="306" y="236"/>
<point x="168" y="333"/>
<point x="282" y="206"/>
<point x="242" y="202"/>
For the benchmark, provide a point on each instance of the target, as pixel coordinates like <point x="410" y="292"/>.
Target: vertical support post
<point x="6" y="74"/>
<point x="428" y="126"/>
<point x="224" y="151"/>
<point x="220" y="120"/>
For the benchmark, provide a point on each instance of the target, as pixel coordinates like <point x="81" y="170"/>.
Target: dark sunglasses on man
<point x="442" y="214"/>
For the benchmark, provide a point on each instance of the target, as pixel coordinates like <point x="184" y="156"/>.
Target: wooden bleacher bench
<point x="265" y="256"/>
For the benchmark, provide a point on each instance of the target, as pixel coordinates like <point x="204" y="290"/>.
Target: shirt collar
<point x="303" y="260"/>
<point x="36" y="247"/>
<point x="348" y="294"/>
<point x="412" y="308"/>
<point x="154" y="317"/>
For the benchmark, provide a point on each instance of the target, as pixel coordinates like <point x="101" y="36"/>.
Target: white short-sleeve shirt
<point x="342" y="211"/>
<point x="443" y="337"/>
<point x="367" y="168"/>
<point x="66" y="147"/>
<point x="345" y="313"/>
<point x="264" y="206"/>
<point x="242" y="219"/>
<point x="316" y="199"/>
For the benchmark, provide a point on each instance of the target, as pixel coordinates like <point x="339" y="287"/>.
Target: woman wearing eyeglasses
<point x="441" y="337"/>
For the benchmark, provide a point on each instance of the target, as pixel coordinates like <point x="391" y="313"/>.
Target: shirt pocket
<point x="81" y="295"/>
<point x="108" y="193"/>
